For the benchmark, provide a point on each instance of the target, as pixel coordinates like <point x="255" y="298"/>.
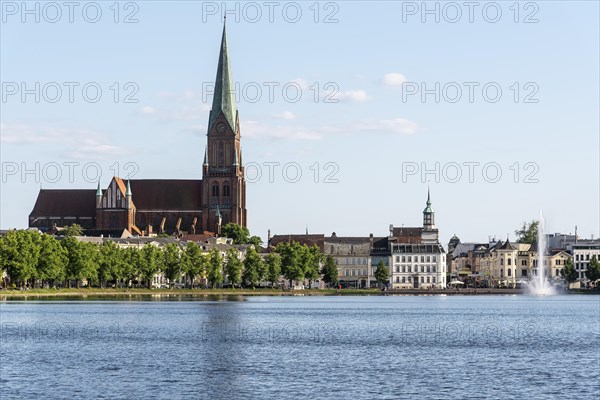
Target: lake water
<point x="381" y="347"/>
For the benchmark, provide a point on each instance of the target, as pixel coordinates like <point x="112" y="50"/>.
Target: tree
<point x="273" y="264"/>
<point x="194" y="262"/>
<point x="53" y="260"/>
<point x="150" y="263"/>
<point x="290" y="261"/>
<point x="238" y="233"/>
<point x="330" y="271"/>
<point x="255" y="241"/>
<point x="83" y="260"/>
<point x="311" y="260"/>
<point x="253" y="268"/>
<point x="109" y="262"/>
<point x="528" y="232"/>
<point x="20" y="251"/>
<point x="214" y="274"/>
<point x="171" y="262"/>
<point x="381" y="273"/>
<point x="233" y="267"/>
<point x="72" y="230"/>
<point x="593" y="270"/>
<point x="569" y="272"/>
<point x="131" y="265"/>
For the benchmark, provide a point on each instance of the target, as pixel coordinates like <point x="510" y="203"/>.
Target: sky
<point x="349" y="110"/>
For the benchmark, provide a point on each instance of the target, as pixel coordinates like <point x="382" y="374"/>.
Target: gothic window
<point x="214" y="150"/>
<point x="226" y="193"/>
<point x="221" y="154"/>
<point x="215" y="190"/>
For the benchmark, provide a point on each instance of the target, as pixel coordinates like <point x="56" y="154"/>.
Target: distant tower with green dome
<point x="428" y="214"/>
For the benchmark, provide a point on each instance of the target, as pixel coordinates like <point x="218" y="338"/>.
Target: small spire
<point x="428" y="197"/>
<point x="128" y="192"/>
<point x="206" y="156"/>
<point x="307" y="229"/>
<point x="99" y="191"/>
<point x="241" y="163"/>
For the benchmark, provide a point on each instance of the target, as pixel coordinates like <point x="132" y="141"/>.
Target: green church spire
<point x="223" y="99"/>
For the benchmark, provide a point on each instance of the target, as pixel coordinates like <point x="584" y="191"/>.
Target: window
<point x="403" y="279"/>
<point x="403" y="258"/>
<point x="422" y="258"/>
<point x="221" y="154"/>
<point x="397" y="258"/>
<point x="397" y="268"/>
<point x="501" y="272"/>
<point x="428" y="258"/>
<point x="215" y="190"/>
<point x="428" y="280"/>
<point x="346" y="273"/>
<point x="524" y="272"/>
<point x="409" y="269"/>
<point x="353" y="272"/>
<point x="434" y="258"/>
<point x="422" y="279"/>
<point x="433" y="279"/>
<point x="428" y="268"/>
<point x="422" y="268"/>
<point x="509" y="261"/>
<point x="509" y="272"/>
<point x="404" y="268"/>
<point x="364" y="272"/>
<point x="397" y="279"/>
<point x="433" y="268"/>
<point x="353" y="261"/>
<point x="226" y="190"/>
<point x="501" y="261"/>
<point x="524" y="263"/>
<point x="409" y="279"/>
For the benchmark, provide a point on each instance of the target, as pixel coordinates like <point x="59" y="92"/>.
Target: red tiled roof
<point x="166" y="194"/>
<point x="65" y="203"/>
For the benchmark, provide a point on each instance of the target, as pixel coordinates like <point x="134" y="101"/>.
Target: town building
<point x="148" y="206"/>
<point x="418" y="260"/>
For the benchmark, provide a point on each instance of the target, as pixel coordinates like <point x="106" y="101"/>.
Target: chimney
<point x="391" y="229"/>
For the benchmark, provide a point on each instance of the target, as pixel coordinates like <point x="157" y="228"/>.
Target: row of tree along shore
<point x="32" y="259"/>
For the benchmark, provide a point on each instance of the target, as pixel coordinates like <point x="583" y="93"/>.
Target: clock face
<point x="221" y="127"/>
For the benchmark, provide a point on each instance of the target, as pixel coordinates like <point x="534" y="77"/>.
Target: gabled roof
<point x="507" y="246"/>
<point x="166" y="194"/>
<point x="65" y="203"/>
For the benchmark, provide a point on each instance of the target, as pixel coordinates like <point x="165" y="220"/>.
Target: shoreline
<point x="108" y="293"/>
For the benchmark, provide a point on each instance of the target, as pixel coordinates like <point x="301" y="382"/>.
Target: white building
<point x="418" y="260"/>
<point x="583" y="251"/>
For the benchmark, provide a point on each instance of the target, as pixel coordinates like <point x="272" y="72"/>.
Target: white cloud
<point x="393" y="79"/>
<point x="148" y="110"/>
<point x="79" y="143"/>
<point x="354" y="96"/>
<point x="256" y="130"/>
<point x="287" y="115"/>
<point x="393" y="126"/>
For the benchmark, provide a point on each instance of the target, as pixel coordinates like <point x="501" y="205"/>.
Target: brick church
<point x="147" y="206"/>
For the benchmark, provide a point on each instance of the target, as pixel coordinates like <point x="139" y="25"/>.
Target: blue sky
<point x="356" y="121"/>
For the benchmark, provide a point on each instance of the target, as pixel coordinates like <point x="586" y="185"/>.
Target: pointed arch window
<point x="221" y="154"/>
<point x="215" y="190"/>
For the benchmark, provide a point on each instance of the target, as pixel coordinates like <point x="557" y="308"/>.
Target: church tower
<point x="224" y="185"/>
<point x="428" y="215"/>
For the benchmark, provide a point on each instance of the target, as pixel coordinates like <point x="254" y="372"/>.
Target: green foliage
<point x="528" y="232"/>
<point x="238" y="233"/>
<point x="330" y="271"/>
<point x="194" y="262"/>
<point x="83" y="260"/>
<point x="72" y="230"/>
<point x="171" y="261"/>
<point x="291" y="261"/>
<point x="53" y="260"/>
<point x="109" y="262"/>
<point x="593" y="270"/>
<point x="233" y="267"/>
<point x="255" y="241"/>
<point x="151" y="262"/>
<point x="568" y="272"/>
<point x="215" y="268"/>
<point x="381" y="273"/>
<point x="20" y="252"/>
<point x="310" y="260"/>
<point x="253" y="268"/>
<point x="273" y="267"/>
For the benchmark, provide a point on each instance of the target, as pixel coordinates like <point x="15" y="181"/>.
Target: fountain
<point x="539" y="285"/>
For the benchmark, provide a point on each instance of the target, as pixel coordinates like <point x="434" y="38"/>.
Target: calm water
<point x="303" y="347"/>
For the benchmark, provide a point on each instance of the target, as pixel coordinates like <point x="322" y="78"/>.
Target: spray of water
<point x="539" y="285"/>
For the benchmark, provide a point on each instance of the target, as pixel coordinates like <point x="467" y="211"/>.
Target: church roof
<point x="167" y="194"/>
<point x="223" y="98"/>
<point x="65" y="202"/>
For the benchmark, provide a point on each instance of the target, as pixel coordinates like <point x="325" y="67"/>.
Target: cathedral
<point x="169" y="206"/>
